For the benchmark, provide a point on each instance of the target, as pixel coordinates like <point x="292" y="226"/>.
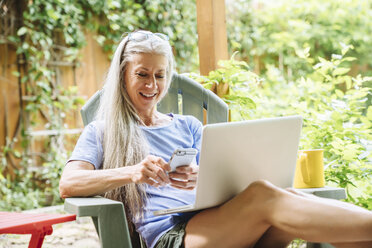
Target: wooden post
<point x="212" y="40"/>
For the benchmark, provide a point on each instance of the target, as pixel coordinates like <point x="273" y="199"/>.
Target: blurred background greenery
<point x="311" y="58"/>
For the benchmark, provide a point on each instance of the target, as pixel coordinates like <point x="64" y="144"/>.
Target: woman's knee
<point x="261" y="190"/>
<point x="261" y="186"/>
<point x="258" y="199"/>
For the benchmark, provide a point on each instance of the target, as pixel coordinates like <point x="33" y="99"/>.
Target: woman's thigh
<point x="238" y="223"/>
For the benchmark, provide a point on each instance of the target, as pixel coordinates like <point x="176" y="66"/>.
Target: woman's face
<point x="145" y="79"/>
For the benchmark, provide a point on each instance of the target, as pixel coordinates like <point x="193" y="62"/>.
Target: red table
<point x="38" y="225"/>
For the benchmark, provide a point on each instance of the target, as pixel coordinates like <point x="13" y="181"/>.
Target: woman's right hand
<point x="151" y="170"/>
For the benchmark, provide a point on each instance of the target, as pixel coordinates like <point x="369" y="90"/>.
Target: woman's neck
<point x="154" y="119"/>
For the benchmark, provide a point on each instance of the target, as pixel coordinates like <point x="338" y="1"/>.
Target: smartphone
<point x="182" y="156"/>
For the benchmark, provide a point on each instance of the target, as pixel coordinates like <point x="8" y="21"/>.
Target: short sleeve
<point x="196" y="128"/>
<point x="89" y="146"/>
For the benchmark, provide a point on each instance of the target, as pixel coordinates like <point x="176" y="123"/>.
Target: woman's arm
<point x="80" y="179"/>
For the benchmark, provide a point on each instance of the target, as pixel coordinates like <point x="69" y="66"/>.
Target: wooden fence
<point x="88" y="77"/>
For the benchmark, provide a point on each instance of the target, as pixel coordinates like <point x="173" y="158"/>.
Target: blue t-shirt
<point x="181" y="132"/>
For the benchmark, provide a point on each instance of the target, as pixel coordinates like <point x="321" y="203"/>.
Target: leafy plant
<point x="278" y="33"/>
<point x="177" y="19"/>
<point x="337" y="116"/>
<point x="240" y="81"/>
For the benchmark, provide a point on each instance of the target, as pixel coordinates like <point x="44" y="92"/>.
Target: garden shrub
<point x="276" y="33"/>
<point x="337" y="116"/>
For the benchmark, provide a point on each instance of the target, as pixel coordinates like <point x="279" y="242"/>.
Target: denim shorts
<point x="173" y="238"/>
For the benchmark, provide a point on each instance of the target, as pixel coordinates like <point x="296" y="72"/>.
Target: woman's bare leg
<point x="238" y="223"/>
<point x="274" y="238"/>
<point x="243" y="220"/>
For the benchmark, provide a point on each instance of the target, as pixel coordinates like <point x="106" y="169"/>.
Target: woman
<point x="123" y="155"/>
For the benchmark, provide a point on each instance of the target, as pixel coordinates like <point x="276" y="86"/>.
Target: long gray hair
<point x="123" y="141"/>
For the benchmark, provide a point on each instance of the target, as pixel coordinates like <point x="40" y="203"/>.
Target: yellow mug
<point x="309" y="169"/>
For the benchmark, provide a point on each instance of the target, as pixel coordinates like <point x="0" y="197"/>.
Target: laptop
<point x="235" y="154"/>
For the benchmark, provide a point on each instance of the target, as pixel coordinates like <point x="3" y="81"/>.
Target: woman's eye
<point x="141" y="74"/>
<point x="160" y="76"/>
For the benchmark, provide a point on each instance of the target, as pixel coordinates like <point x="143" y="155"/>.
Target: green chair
<point x="187" y="97"/>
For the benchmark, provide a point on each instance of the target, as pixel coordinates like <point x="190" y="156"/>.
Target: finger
<point x="151" y="182"/>
<point x="159" y="162"/>
<point x="187" y="169"/>
<point x="193" y="177"/>
<point x="144" y="178"/>
<point x="183" y="184"/>
<point x="184" y="169"/>
<point x="183" y="176"/>
<point x="141" y="173"/>
<point x="149" y="170"/>
<point x="164" y="165"/>
<point x="157" y="173"/>
<point x="178" y="176"/>
<point x="145" y="171"/>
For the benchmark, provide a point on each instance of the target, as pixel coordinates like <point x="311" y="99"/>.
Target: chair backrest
<point x="185" y="96"/>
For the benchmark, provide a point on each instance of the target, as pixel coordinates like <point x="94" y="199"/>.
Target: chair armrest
<point x="108" y="217"/>
<point x="326" y="192"/>
<point x="88" y="206"/>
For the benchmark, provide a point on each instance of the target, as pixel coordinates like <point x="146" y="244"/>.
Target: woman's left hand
<point x="184" y="177"/>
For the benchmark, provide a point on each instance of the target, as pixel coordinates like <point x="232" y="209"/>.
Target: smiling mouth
<point x="148" y="95"/>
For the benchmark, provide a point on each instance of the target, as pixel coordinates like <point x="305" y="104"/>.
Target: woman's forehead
<point x="149" y="61"/>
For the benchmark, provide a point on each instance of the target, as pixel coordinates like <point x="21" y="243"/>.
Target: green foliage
<point x="52" y="33"/>
<point x="240" y="80"/>
<point x="32" y="187"/>
<point x="279" y="33"/>
<point x="177" y="19"/>
<point x="337" y="116"/>
<point x="49" y="28"/>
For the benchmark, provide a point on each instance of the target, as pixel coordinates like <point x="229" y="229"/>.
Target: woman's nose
<point x="151" y="83"/>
